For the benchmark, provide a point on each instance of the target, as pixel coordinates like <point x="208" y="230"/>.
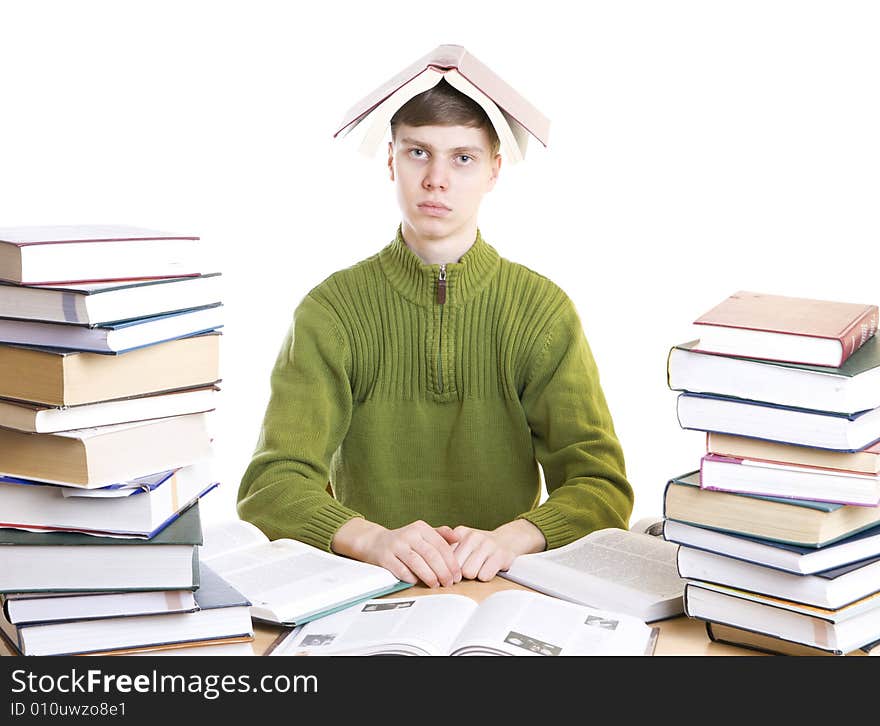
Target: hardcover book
<point x="221" y="612"/>
<point x="782" y="424"/>
<point x="39" y="418"/>
<point x="747" y="476"/>
<point x="75" y="562"/>
<point x="68" y="378"/>
<point x="771" y="645"/>
<point x="791" y="558"/>
<point x="838" y="630"/>
<point x="106" y="302"/>
<point x="831" y="589"/>
<point x="853" y="387"/>
<point x="139" y="508"/>
<point x="866" y="461"/>
<point x="96" y="457"/>
<point x="777" y="327"/>
<point x="113" y="337"/>
<point x="89" y="253"/>
<point x="790" y="521"/>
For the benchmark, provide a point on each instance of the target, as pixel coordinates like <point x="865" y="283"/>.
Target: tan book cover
<point x="60" y="378"/>
<point x="866" y="461"/>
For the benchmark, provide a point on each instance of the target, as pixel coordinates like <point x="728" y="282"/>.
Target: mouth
<point x="434" y="209"/>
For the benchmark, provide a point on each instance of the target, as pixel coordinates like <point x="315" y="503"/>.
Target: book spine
<point x="857" y="334"/>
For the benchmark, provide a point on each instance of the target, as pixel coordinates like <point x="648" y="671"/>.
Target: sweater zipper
<point x="441" y="301"/>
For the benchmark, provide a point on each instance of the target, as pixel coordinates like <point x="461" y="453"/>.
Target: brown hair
<point x="443" y="105"/>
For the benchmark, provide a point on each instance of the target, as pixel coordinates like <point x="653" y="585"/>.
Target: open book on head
<point x="511" y="622"/>
<point x="289" y="582"/>
<point x="512" y="116"/>
<point x="628" y="571"/>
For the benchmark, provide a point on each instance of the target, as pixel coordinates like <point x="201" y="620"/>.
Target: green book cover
<point x="184" y="529"/>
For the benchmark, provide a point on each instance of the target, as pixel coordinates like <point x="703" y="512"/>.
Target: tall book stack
<point x="109" y="365"/>
<point x="779" y="528"/>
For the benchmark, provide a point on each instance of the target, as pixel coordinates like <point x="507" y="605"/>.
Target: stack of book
<point x="109" y="365"/>
<point x="779" y="528"/>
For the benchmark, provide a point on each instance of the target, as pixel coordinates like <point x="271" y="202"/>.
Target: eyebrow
<point x="456" y="150"/>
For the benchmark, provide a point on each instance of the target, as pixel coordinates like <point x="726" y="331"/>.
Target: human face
<point x="441" y="174"/>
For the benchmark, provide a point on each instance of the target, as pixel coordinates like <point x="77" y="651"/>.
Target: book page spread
<point x="610" y="568"/>
<point x="425" y="625"/>
<point x="515" y="622"/>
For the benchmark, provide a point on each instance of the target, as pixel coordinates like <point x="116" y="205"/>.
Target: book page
<point x="286" y="580"/>
<point x="425" y="625"/>
<point x="229" y="536"/>
<point x="515" y="622"/>
<point x="610" y="568"/>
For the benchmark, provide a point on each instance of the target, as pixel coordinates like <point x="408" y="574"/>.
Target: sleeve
<point x="283" y="490"/>
<point x="573" y="436"/>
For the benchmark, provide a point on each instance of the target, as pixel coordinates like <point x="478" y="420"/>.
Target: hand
<point x="411" y="553"/>
<point x="482" y="553"/>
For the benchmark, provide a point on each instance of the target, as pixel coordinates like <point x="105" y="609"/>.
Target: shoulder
<point x="528" y="289"/>
<point x="344" y="281"/>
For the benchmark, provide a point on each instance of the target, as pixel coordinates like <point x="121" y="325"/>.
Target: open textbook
<point x="627" y="571"/>
<point x="511" y="622"/>
<point x="289" y="582"/>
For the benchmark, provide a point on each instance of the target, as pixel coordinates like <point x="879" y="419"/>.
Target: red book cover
<point x="851" y="324"/>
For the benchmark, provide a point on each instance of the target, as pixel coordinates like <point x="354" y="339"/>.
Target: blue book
<point x="774" y="422"/>
<point x="113" y="337"/>
<point x="779" y="555"/>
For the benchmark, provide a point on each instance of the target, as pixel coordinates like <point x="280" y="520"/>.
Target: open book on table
<point x="289" y="582"/>
<point x="627" y="571"/>
<point x="511" y="622"/>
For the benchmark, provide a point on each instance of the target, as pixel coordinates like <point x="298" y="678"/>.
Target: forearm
<point x="278" y="498"/>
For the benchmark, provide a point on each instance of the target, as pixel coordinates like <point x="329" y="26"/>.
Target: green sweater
<point x="415" y="407"/>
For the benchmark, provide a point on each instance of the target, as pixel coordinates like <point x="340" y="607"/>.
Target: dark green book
<point x="71" y="561"/>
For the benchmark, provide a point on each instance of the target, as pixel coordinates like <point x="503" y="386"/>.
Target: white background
<point x="696" y="149"/>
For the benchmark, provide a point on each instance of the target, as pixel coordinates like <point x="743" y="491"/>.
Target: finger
<point x="400" y="570"/>
<point x="466" y="547"/>
<point x="491" y="566"/>
<point x="474" y="563"/>
<point x="436" y="561"/>
<point x="444" y="549"/>
<point x="417" y="565"/>
<point x="447" y="533"/>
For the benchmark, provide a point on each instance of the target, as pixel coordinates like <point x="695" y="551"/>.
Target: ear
<point x="493" y="172"/>
<point x="391" y="159"/>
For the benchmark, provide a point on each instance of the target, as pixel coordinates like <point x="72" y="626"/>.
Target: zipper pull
<point x="441" y="285"/>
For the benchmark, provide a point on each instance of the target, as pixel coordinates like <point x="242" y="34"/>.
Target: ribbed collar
<point x="417" y="282"/>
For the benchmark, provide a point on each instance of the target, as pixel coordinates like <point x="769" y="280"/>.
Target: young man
<point x="427" y="383"/>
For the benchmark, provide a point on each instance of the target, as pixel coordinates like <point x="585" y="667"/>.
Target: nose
<point x="436" y="176"/>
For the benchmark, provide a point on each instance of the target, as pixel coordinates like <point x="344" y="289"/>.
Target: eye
<point x="417" y="153"/>
<point x="464" y="158"/>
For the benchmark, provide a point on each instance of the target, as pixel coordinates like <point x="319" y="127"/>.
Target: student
<point x="428" y="381"/>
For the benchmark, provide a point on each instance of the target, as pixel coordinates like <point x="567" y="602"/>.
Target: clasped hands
<point x="438" y="556"/>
